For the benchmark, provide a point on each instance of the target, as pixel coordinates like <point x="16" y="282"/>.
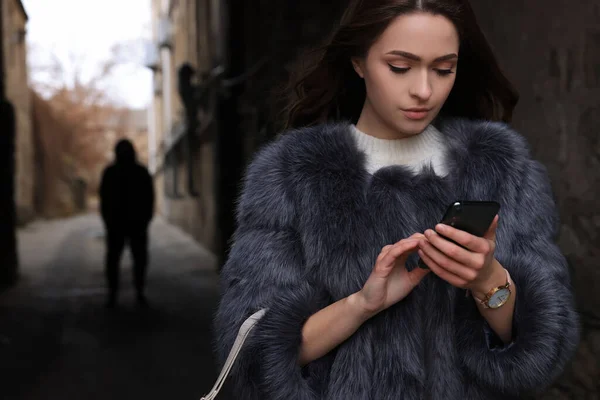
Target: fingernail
<point x="428" y="232"/>
<point x="441" y="227"/>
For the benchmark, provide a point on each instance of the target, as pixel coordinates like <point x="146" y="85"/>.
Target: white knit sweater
<point x="414" y="152"/>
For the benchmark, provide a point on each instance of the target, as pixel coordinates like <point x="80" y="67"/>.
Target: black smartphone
<point x="474" y="217"/>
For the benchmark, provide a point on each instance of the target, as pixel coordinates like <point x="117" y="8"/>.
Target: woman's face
<point x="409" y="73"/>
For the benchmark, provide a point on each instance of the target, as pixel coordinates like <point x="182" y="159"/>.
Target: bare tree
<point x="90" y="119"/>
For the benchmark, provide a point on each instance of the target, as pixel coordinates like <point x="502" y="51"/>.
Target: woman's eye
<point x="398" y="70"/>
<point x="444" y="72"/>
<point x="402" y="70"/>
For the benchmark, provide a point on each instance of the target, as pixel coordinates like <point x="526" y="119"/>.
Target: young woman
<point x="402" y="114"/>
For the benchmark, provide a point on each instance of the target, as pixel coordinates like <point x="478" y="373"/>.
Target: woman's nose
<point x="421" y="87"/>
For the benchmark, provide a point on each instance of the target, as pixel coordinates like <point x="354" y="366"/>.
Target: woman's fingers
<point x="491" y="232"/>
<point x="441" y="272"/>
<point x="453" y="251"/>
<point x="445" y="262"/>
<point x="474" y="243"/>
<point x="384" y="251"/>
<point x="441" y="260"/>
<point x="397" y="250"/>
<point x="390" y="254"/>
<point x="416" y="275"/>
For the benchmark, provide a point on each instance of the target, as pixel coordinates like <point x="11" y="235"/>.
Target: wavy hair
<point x="324" y="86"/>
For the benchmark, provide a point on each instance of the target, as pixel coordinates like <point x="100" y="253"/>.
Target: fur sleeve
<point x="265" y="268"/>
<point x="546" y="329"/>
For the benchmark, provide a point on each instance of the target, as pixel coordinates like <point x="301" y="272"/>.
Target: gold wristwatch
<point x="498" y="296"/>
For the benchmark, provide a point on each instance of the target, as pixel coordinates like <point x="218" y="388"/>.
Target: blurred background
<point x="79" y="75"/>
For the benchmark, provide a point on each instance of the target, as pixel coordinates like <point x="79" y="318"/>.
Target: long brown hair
<point x="325" y="87"/>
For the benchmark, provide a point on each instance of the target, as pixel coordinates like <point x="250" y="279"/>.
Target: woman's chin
<point x="413" y="127"/>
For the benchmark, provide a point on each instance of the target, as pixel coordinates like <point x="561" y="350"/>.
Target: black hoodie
<point x="126" y="191"/>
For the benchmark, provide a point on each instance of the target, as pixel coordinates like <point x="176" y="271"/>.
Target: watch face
<point x="499" y="298"/>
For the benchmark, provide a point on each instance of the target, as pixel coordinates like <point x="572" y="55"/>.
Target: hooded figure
<point x="126" y="205"/>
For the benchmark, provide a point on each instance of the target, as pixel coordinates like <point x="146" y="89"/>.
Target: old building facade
<point x="182" y="161"/>
<point x="17" y="91"/>
<point x="236" y="63"/>
<point x="16" y="156"/>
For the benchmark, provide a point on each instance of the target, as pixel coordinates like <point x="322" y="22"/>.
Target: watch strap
<point x="485" y="302"/>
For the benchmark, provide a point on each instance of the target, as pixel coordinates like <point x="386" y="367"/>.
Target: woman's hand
<point x="473" y="267"/>
<point x="390" y="281"/>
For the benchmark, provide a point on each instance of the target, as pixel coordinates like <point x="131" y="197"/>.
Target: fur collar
<point x="485" y="160"/>
<point x="470" y="145"/>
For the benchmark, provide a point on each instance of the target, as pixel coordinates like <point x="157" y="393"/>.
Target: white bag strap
<point x="243" y="333"/>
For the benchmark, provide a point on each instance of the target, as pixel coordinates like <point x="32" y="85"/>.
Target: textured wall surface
<point x="17" y="91"/>
<point x="551" y="52"/>
<point x="195" y="214"/>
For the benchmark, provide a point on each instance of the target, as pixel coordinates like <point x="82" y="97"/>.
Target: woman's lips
<point x="416" y="114"/>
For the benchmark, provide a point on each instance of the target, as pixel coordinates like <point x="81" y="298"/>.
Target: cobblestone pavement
<point x="57" y="341"/>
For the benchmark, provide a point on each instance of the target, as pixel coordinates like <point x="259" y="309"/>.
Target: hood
<point x="124" y="152"/>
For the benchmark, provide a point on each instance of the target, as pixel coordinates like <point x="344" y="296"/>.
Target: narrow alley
<point x="145" y="109"/>
<point x="58" y="341"/>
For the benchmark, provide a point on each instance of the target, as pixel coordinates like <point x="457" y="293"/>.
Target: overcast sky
<point x="86" y="30"/>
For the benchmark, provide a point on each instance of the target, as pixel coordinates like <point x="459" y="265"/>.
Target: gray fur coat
<point x="311" y="222"/>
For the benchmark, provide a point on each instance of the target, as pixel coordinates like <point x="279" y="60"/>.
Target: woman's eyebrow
<point x="415" y="57"/>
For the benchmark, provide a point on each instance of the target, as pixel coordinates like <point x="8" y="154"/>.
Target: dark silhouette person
<point x="127" y="207"/>
<point x="186" y="88"/>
